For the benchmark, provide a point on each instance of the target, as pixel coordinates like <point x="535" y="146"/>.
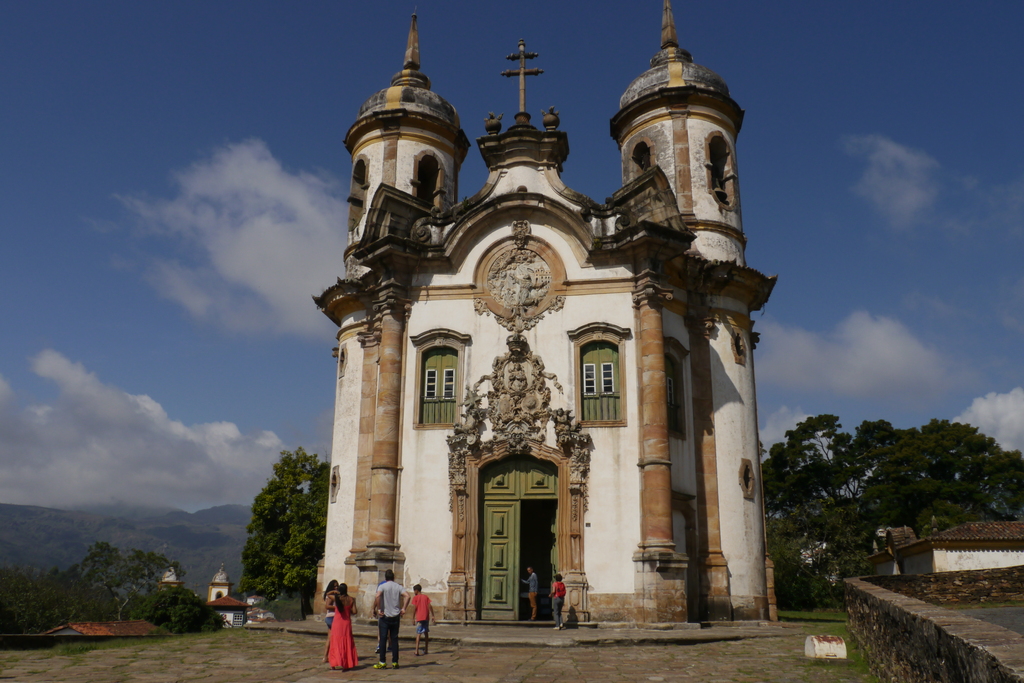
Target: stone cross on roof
<point x="522" y="118"/>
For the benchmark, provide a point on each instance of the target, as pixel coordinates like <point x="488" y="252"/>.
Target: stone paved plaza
<point x="266" y="656"/>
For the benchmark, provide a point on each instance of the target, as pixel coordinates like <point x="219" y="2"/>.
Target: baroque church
<point x="530" y="377"/>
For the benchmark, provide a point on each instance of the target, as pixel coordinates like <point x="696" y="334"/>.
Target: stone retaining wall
<point x="910" y="641"/>
<point x="971" y="587"/>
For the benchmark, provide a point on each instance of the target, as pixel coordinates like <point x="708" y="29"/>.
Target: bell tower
<point x="405" y="137"/>
<point x="678" y="115"/>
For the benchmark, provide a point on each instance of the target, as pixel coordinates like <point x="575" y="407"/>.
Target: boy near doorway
<point x="423" y="615"/>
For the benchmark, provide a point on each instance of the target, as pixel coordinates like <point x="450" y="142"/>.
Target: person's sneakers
<point x="394" y="665"/>
<point x="380" y="665"/>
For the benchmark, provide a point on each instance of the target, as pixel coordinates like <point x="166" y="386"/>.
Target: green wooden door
<point x="501" y="560"/>
<point x="505" y="485"/>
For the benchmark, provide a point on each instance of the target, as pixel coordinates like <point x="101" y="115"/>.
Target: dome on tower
<point x="221" y="576"/>
<point x="672" y="67"/>
<point x="410" y="89"/>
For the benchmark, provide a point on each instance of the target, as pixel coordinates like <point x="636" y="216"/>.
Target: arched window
<point x="601" y="394"/>
<point x="601" y="390"/>
<point x="642" y="156"/>
<point x="427" y="172"/>
<point x="721" y="177"/>
<point x="440" y="354"/>
<point x="357" y="194"/>
<point x="438" y="383"/>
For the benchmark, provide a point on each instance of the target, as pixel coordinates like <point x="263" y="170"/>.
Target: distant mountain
<point x="200" y="541"/>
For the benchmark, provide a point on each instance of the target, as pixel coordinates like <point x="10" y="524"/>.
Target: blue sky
<point x="173" y="184"/>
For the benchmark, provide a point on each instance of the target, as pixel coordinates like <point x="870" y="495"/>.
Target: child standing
<point x="423" y="615"/>
<point x="557" y="600"/>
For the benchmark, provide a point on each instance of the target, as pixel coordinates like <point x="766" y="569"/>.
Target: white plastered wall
<point x="712" y="245"/>
<point x="614" y="484"/>
<point x="405" y="166"/>
<point x="659" y="136"/>
<point x="954" y="560"/>
<point x="736" y="438"/>
<point x="343" y="456"/>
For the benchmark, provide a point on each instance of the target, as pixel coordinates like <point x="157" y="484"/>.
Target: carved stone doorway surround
<point x="463" y="581"/>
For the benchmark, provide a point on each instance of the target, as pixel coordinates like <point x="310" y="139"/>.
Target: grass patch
<point x="69" y="649"/>
<point x="834" y="624"/>
<point x="815" y="617"/>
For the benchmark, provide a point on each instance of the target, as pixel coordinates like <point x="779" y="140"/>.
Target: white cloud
<point x="1000" y="416"/>
<point x="778" y="423"/>
<point x="899" y="181"/>
<point x="98" y="444"/>
<point x="266" y="240"/>
<point x="864" y="356"/>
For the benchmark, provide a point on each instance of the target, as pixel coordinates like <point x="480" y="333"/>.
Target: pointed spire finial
<point x="412" y="49"/>
<point x="668" y="27"/>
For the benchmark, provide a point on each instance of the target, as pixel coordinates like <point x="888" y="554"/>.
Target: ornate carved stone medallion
<point x="519" y="282"/>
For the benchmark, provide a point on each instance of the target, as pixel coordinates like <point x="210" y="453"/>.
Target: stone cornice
<point x="726" y="279"/>
<point x="671" y="98"/>
<point x="520" y="145"/>
<point x="392" y="120"/>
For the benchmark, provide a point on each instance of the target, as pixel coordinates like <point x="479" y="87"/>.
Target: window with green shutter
<point x="437" y="404"/>
<point x="600" y="386"/>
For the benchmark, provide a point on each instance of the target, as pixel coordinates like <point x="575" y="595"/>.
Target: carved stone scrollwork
<point x="651" y="294"/>
<point x="518" y="284"/>
<point x="421" y="231"/>
<point x="570" y="437"/>
<point x="624" y="220"/>
<point x="518" y="410"/>
<point x="705" y="326"/>
<point x="369" y="339"/>
<point x="390" y="301"/>
<point x="517" y="403"/>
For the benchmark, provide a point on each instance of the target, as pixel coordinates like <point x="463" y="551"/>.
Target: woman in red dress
<point x="342" y="654"/>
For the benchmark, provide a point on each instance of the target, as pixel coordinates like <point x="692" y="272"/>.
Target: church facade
<point x="530" y="377"/>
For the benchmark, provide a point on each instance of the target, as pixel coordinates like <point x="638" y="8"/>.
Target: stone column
<point x="660" y="578"/>
<point x="655" y="463"/>
<point x="713" y="602"/>
<point x="382" y="547"/>
<point x="370" y="341"/>
<point x="387" y="430"/>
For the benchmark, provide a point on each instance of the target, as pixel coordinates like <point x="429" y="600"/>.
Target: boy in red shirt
<point x="423" y="615"/>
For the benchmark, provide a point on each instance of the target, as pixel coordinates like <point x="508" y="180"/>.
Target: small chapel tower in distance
<point x="532" y="378"/>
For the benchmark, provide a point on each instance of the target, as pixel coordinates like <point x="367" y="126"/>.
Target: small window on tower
<point x="642" y="156"/>
<point x="721" y="177"/>
<point x="357" y="194"/>
<point x="426" y="178"/>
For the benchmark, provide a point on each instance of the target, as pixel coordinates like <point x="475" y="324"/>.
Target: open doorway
<point x="538" y="548"/>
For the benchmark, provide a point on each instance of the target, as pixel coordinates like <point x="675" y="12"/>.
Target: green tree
<point x="124" y="575"/>
<point x="33" y="601"/>
<point x="817" y="462"/>
<point x="178" y="610"/>
<point x="288" y="529"/>
<point x="950" y="471"/>
<point x="826" y="492"/>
